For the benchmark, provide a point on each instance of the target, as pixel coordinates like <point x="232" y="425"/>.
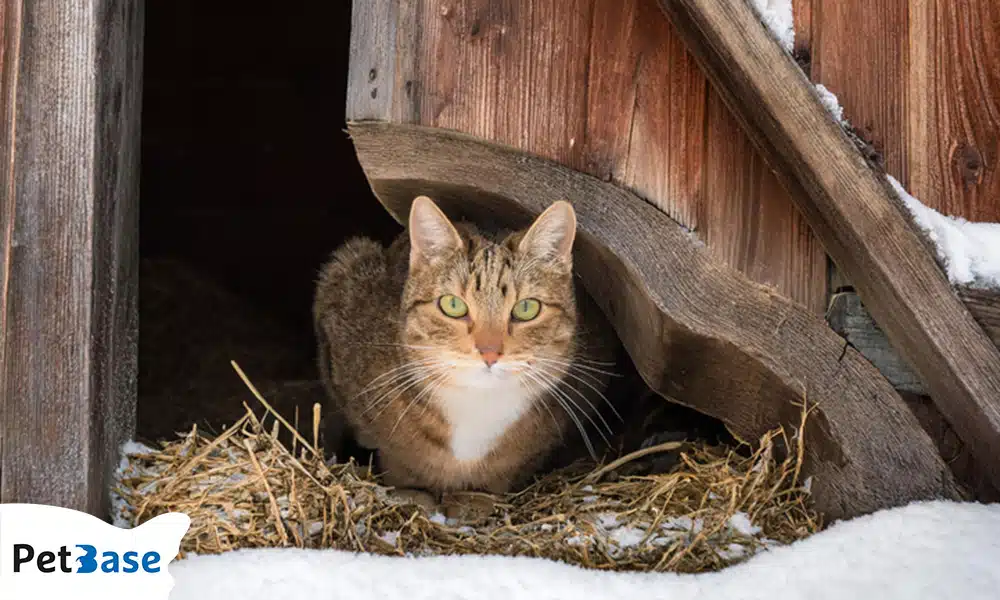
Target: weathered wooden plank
<point x="698" y="331"/>
<point x="854" y="213"/>
<point x="802" y="11"/>
<point x="985" y="308"/>
<point x="860" y="54"/>
<point x="849" y="318"/>
<point x="752" y="223"/>
<point x="666" y="136"/>
<point x="71" y="92"/>
<point x="954" y="81"/>
<point x="371" y="72"/>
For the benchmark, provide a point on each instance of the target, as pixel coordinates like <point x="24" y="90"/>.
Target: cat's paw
<point x="468" y="506"/>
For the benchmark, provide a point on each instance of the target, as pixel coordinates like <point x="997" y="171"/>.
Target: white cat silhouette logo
<point x="52" y="552"/>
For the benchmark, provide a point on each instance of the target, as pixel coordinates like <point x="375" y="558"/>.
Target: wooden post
<point x="854" y="213"/>
<point x="71" y="95"/>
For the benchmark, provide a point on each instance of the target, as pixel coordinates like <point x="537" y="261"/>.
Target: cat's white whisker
<point x="575" y="361"/>
<point x="541" y="403"/>
<point x="570" y="413"/>
<point x="431" y="387"/>
<point x="553" y="387"/>
<point x="569" y="373"/>
<point x="413" y="364"/>
<point x="417" y="378"/>
<point x="585" y="400"/>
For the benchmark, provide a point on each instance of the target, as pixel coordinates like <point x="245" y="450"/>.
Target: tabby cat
<point x="465" y="359"/>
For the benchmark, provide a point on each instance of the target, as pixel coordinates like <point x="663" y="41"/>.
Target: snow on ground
<point x="970" y="251"/>
<point x="777" y="15"/>
<point x="929" y="550"/>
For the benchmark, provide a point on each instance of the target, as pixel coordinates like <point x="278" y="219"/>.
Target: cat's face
<point x="482" y="314"/>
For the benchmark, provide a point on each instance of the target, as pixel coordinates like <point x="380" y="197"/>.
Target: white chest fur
<point x="480" y="407"/>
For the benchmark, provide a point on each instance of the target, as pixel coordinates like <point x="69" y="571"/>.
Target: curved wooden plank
<point x="699" y="332"/>
<point x="854" y="213"/>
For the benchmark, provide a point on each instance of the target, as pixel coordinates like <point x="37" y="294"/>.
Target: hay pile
<point x="246" y="489"/>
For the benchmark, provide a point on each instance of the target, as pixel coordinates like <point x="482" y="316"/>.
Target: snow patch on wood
<point x="777" y="15"/>
<point x="970" y="251"/>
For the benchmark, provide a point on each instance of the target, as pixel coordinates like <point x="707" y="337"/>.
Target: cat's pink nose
<point x="490" y="357"/>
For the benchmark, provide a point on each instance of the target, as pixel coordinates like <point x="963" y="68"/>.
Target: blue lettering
<point x="110" y="564"/>
<point x="131" y="566"/>
<point x="149" y="561"/>
<point x="87" y="562"/>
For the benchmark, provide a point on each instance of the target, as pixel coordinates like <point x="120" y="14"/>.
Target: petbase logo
<point x="46" y="550"/>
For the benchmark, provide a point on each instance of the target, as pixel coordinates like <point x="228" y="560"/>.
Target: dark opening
<point x="248" y="182"/>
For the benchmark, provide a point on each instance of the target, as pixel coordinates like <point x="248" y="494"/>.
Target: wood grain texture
<point x="985" y="308"/>
<point x="698" y="331"/>
<point x="752" y="222"/>
<point x="666" y="136"/>
<point x="859" y="52"/>
<point x="854" y="214"/>
<point x="954" y="81"/>
<point x="849" y="318"/>
<point x="371" y="73"/>
<point x="71" y="87"/>
<point x="602" y="86"/>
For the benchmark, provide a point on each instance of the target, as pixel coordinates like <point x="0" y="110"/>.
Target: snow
<point x="777" y="15"/>
<point x="120" y="510"/>
<point x="970" y="251"/>
<point x="741" y="523"/>
<point x="923" y="551"/>
<point x="832" y="104"/>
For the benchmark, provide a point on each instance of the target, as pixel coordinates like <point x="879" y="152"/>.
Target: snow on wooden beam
<point x="854" y="213"/>
<point x="699" y="332"/>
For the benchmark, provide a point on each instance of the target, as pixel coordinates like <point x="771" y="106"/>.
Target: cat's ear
<point x="551" y="236"/>
<point x="431" y="233"/>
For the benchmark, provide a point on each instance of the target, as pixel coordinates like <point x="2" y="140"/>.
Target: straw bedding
<point x="249" y="488"/>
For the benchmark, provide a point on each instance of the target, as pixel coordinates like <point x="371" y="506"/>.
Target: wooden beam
<point x="71" y="95"/>
<point x="699" y="332"/>
<point x="854" y="213"/>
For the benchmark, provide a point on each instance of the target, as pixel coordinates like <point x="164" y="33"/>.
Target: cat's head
<point x="482" y="312"/>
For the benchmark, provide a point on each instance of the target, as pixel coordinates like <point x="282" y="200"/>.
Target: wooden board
<point x="854" y="213"/>
<point x="683" y="316"/>
<point x="602" y="86"/>
<point x="954" y="83"/>
<point x="849" y="318"/>
<point x="859" y="52"/>
<point x="71" y="103"/>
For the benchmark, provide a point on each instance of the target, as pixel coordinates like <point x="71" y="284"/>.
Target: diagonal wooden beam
<point x="853" y="212"/>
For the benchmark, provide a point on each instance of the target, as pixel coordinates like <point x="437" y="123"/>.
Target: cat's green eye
<point x="453" y="306"/>
<point x="526" y="310"/>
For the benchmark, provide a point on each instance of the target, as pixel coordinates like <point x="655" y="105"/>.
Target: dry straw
<point x="246" y="489"/>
